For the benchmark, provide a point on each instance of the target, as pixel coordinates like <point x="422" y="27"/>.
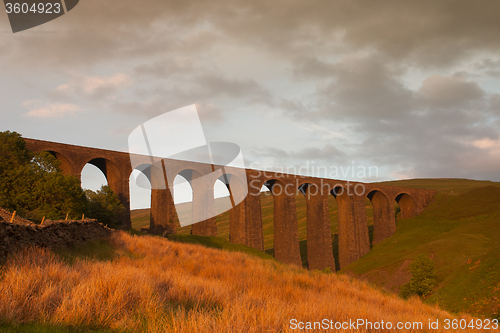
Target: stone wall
<point x="14" y="236"/>
<point x="7" y="216"/>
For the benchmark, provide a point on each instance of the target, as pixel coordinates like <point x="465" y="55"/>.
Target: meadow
<point x="151" y="284"/>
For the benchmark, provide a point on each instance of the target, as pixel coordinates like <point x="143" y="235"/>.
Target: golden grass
<point x="156" y="285"/>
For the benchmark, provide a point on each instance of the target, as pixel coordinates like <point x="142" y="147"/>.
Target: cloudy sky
<point x="410" y="87"/>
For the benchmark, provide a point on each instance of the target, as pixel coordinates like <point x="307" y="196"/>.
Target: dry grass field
<point x="151" y="284"/>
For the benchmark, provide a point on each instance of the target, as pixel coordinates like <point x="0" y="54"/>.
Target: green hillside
<point x="460" y="231"/>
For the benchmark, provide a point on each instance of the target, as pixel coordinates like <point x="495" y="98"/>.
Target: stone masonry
<point x="246" y="218"/>
<point x="15" y="236"/>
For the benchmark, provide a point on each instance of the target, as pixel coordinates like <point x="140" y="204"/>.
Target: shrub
<point x="423" y="277"/>
<point x="104" y="206"/>
<point x="397" y="211"/>
<point x="327" y="270"/>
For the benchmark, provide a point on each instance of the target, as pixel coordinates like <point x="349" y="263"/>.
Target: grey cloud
<point x="328" y="152"/>
<point x="449" y="91"/>
<point x="119" y="131"/>
<point x="434" y="146"/>
<point x="426" y="33"/>
<point x="495" y="103"/>
<point x="356" y="53"/>
<point x="209" y="112"/>
<point x="424" y="150"/>
<point x="213" y="85"/>
<point x="93" y="88"/>
<point x="312" y="68"/>
<point x="487" y="64"/>
<point x="154" y="97"/>
<point x="164" y="68"/>
<point x="295" y="107"/>
<point x="104" y="31"/>
<point x="204" y="90"/>
<point x="148" y="108"/>
<point x="364" y="87"/>
<point x="367" y="90"/>
<point x="426" y="133"/>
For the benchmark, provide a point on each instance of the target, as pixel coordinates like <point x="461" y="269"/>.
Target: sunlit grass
<point x="156" y="285"/>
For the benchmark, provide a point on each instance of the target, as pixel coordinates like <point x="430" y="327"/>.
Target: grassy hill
<point x="460" y="231"/>
<point x="151" y="284"/>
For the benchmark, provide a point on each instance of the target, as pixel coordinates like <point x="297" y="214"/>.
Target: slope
<point x="151" y="284"/>
<point x="460" y="231"/>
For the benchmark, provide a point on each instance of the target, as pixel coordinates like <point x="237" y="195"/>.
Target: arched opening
<point x="119" y="184"/>
<point x="397" y="211"/>
<point x="183" y="192"/>
<point x="302" y="221"/>
<point x="112" y="175"/>
<point x="230" y="191"/>
<point x="407" y="205"/>
<point x="183" y="201"/>
<point x="140" y="197"/>
<point x="222" y="203"/>
<point x="221" y="191"/>
<point x="92" y="178"/>
<point x="382" y="216"/>
<point x="369" y="219"/>
<point x="339" y="212"/>
<point x="333" y="214"/>
<point x="193" y="198"/>
<point x="267" y="213"/>
<point x="66" y="165"/>
<point x="109" y="169"/>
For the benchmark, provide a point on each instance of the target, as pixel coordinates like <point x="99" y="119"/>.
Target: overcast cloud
<point x="410" y="87"/>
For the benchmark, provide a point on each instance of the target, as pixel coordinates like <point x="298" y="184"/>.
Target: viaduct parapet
<point x="245" y="218"/>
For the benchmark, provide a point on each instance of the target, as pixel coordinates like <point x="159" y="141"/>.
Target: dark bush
<point x="104" y="206"/>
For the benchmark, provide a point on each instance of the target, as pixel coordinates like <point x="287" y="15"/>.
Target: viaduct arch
<point x="245" y="216"/>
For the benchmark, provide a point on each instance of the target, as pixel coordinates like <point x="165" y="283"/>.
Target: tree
<point x="13" y="152"/>
<point x="423" y="277"/>
<point x="32" y="183"/>
<point x="104" y="206"/>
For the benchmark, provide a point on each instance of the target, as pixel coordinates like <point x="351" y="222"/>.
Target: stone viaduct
<point x="245" y="218"/>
